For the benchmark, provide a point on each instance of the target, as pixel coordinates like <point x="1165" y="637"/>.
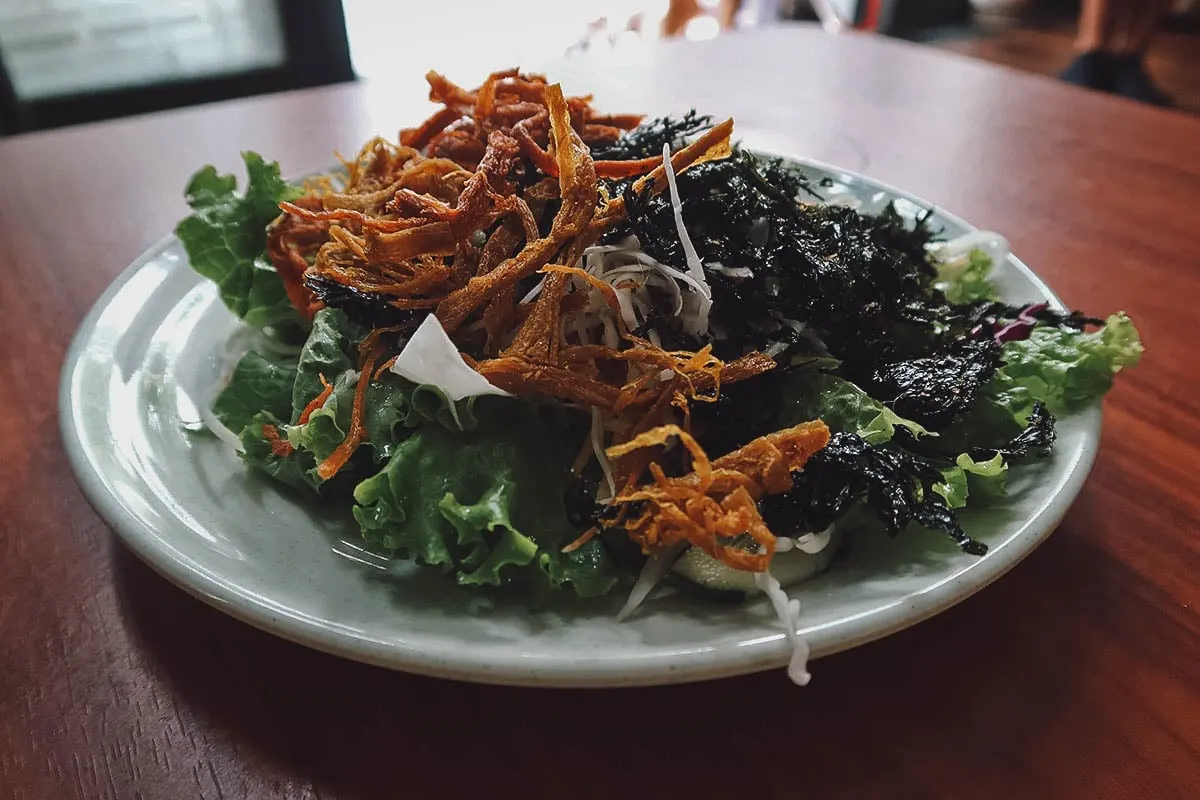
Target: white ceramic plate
<point x="157" y="343"/>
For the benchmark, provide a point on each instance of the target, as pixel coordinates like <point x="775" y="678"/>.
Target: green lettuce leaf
<point x="1064" y="368"/>
<point x="327" y="426"/>
<point x="226" y="235"/>
<point x="587" y="569"/>
<point x="395" y="406"/>
<point x="812" y="394"/>
<point x="967" y="279"/>
<point x="294" y="469"/>
<point x="984" y="481"/>
<point x="485" y="503"/>
<point x="482" y="560"/>
<point x="256" y="385"/>
<point x="330" y="350"/>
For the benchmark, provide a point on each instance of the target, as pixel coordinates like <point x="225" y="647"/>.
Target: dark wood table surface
<point x="1076" y="675"/>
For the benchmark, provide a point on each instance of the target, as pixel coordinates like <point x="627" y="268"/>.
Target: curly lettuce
<point x="257" y="384"/>
<point x="264" y="454"/>
<point x="327" y="425"/>
<point x="985" y="481"/>
<point x="843" y="406"/>
<point x="486" y="504"/>
<point x="394" y="406"/>
<point x="331" y="349"/>
<point x="1065" y="368"/>
<point x="226" y="237"/>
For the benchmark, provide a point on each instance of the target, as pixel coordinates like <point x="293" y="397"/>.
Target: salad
<point x="541" y="348"/>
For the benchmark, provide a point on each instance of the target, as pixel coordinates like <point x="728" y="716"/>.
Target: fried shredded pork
<point x="715" y="505"/>
<point x="498" y="189"/>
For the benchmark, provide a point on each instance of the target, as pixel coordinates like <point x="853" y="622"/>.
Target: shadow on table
<point x="969" y="691"/>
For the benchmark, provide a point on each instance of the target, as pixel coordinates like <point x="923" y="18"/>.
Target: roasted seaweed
<point x="936" y="389"/>
<point x="364" y="306"/>
<point x="862" y="284"/>
<point x="647" y="139"/>
<point x="897" y="487"/>
<point x="1034" y="440"/>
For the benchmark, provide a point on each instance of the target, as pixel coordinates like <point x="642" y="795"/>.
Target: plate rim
<point x="666" y="667"/>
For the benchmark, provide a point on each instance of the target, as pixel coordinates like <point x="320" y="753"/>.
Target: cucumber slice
<point x="789" y="567"/>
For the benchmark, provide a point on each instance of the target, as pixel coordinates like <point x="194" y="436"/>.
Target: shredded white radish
<point x="634" y="275"/>
<point x="653" y="570"/>
<point x="625" y="301"/>
<point x="639" y="284"/>
<point x="702" y="289"/>
<point x="644" y="264"/>
<point x="534" y="292"/>
<point x="695" y="267"/>
<point x="628" y="243"/>
<point x="731" y="272"/>
<point x="611" y="337"/>
<point x="696" y="306"/>
<point x="811" y="543"/>
<point x="618" y="273"/>
<point x="788" y="611"/>
<point x="218" y="428"/>
<point x="247" y="338"/>
<point x="640" y="305"/>
<point x="598" y="447"/>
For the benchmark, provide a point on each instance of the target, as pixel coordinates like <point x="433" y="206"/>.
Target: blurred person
<point x="1111" y="46"/>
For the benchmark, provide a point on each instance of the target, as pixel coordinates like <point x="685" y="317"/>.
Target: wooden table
<point x="1077" y="675"/>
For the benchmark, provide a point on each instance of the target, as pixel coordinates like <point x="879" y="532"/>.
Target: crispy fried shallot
<point x="715" y="505"/>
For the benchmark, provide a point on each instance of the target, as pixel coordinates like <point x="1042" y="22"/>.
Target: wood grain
<point x="1047" y="51"/>
<point x="1077" y="675"/>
